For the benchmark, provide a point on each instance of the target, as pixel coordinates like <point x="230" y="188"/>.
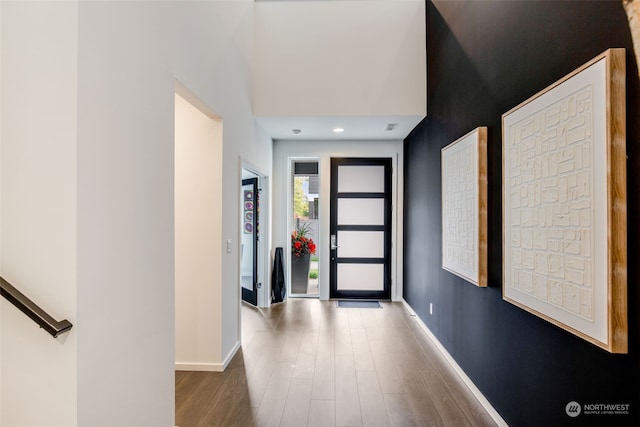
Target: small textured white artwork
<point x="460" y="206"/>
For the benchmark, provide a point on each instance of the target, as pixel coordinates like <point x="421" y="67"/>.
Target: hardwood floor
<point x="307" y="363"/>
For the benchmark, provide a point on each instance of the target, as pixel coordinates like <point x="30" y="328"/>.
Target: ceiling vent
<point x="391" y="126"/>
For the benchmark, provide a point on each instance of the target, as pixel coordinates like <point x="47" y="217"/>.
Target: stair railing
<point x="33" y="311"/>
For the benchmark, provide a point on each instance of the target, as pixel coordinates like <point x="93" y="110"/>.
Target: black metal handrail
<point x="32" y="310"/>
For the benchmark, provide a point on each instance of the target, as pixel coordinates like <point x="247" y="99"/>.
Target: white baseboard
<point x="200" y="367"/>
<point x="232" y="353"/>
<point x="209" y="367"/>
<point x="463" y="376"/>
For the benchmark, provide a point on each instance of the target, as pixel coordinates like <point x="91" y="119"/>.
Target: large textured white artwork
<point x="464" y="207"/>
<point x="557" y="217"/>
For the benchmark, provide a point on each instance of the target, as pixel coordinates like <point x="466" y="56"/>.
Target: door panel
<point x="361" y="211"/>
<point x="367" y="278"/>
<point x="361" y="244"/>
<point x="360" y="228"/>
<point x="360" y="179"/>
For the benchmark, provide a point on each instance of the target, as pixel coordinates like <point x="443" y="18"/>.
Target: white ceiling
<point x="355" y="127"/>
<point x="358" y="65"/>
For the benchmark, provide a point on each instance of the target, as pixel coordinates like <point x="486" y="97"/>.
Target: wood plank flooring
<point x="307" y="363"/>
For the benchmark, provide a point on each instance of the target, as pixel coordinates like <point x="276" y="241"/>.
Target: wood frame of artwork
<point x="564" y="203"/>
<point x="464" y="207"/>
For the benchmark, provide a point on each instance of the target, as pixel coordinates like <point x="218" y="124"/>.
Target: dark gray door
<point x="360" y="228"/>
<point x="249" y="251"/>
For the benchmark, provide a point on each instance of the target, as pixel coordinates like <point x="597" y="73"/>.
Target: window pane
<point x="305" y="181"/>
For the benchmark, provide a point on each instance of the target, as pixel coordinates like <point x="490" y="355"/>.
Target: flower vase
<point x="300" y="273"/>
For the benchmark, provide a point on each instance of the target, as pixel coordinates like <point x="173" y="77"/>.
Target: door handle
<point x="333" y="243"/>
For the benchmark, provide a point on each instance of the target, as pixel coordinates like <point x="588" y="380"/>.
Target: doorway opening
<point x="250" y="237"/>
<point x="249" y="240"/>
<point x="198" y="233"/>
<point x="305" y="228"/>
<point x="253" y="237"/>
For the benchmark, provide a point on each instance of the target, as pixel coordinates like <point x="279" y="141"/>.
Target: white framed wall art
<point x="464" y="207"/>
<point x="564" y="203"/>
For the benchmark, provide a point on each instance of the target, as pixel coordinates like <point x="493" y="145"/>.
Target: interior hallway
<point x="306" y="362"/>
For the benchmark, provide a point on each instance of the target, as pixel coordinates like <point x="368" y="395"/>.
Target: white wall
<point x="38" y="205"/>
<point x="323" y="151"/>
<point x="97" y="221"/>
<point x="198" y="230"/>
<point x="355" y="58"/>
<point x="130" y="54"/>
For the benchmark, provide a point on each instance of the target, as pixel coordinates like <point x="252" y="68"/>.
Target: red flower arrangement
<point x="300" y="243"/>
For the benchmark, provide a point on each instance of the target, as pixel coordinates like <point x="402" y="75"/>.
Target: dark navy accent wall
<point x="484" y="58"/>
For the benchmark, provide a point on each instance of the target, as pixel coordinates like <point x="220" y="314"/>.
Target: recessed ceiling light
<point x="338" y="130"/>
<point x="296" y="131"/>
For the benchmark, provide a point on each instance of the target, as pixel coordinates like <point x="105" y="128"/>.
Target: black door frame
<point x="251" y="296"/>
<point x="385" y="294"/>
